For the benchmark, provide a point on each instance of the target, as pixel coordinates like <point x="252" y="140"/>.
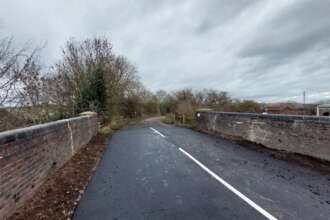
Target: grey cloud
<point x="294" y="30"/>
<point x="216" y="13"/>
<point x="262" y="50"/>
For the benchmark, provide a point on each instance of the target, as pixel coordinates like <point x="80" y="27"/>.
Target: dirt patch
<point x="61" y="192"/>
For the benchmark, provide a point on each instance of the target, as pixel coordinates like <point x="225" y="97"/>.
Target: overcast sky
<point x="254" y="49"/>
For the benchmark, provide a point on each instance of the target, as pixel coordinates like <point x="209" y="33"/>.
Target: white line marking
<point x="157" y="132"/>
<point x="235" y="191"/>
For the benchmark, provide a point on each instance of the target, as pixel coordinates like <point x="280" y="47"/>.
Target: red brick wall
<point x="274" y="112"/>
<point x="28" y="155"/>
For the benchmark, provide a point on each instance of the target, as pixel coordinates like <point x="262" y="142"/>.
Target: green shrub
<point x="106" y="130"/>
<point x="93" y="93"/>
<point x="151" y="107"/>
<point x="118" y="122"/>
<point x="169" y="119"/>
<point x="131" y="106"/>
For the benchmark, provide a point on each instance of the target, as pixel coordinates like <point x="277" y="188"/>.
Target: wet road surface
<point x="156" y="171"/>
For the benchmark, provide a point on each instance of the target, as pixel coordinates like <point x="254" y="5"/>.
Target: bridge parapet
<point x="28" y="155"/>
<point x="305" y="135"/>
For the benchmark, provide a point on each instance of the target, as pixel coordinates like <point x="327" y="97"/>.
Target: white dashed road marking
<point x="157" y="132"/>
<point x="231" y="188"/>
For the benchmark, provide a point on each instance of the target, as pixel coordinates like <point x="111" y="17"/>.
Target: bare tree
<point x="200" y="97"/>
<point x="218" y="100"/>
<point x="28" y="85"/>
<point x="8" y="77"/>
<point x="80" y="61"/>
<point x="19" y="72"/>
<point x="161" y="95"/>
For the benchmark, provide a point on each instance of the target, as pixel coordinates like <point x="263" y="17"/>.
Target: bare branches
<point x="81" y="61"/>
<point x="8" y="59"/>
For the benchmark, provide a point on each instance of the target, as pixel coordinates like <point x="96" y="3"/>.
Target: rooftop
<point x="280" y="106"/>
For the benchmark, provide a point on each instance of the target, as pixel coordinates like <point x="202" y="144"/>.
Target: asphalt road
<point x="156" y="171"/>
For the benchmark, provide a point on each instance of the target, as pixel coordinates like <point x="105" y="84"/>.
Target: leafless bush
<point x="81" y="60"/>
<point x="8" y="61"/>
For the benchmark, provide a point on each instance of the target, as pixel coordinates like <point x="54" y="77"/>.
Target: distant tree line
<point x="182" y="104"/>
<point x="90" y="77"/>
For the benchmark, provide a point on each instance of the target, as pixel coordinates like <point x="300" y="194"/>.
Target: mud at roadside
<point x="61" y="192"/>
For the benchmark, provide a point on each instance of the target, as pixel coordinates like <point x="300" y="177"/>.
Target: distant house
<point x="323" y="110"/>
<point x="286" y="108"/>
<point x="273" y="108"/>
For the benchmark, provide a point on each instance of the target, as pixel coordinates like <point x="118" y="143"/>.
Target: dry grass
<point x="10" y="121"/>
<point x="118" y="122"/>
<point x="169" y="119"/>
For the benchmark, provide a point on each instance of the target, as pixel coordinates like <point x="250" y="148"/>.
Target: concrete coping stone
<point x="286" y="118"/>
<point x="29" y="132"/>
<point x="88" y="113"/>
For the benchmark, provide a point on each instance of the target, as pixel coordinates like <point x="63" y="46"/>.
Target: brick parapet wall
<point x="306" y="135"/>
<point x="28" y="155"/>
